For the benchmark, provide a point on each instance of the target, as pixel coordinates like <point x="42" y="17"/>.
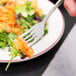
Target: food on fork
<point x="21" y="45"/>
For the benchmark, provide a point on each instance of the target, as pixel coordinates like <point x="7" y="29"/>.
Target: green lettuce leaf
<point x="12" y="35"/>
<point x="25" y="10"/>
<point x="3" y="39"/>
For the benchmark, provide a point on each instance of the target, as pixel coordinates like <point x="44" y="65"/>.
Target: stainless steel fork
<point x="34" y="34"/>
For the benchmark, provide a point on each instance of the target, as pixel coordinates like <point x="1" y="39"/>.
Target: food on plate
<point x="21" y="45"/>
<point x="35" y="6"/>
<point x="16" y="17"/>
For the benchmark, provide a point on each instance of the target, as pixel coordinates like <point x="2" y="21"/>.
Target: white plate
<point x="55" y="27"/>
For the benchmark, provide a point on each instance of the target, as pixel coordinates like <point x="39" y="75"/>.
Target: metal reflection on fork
<point x="34" y="34"/>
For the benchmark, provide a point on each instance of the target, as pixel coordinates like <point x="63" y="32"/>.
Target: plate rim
<point x="47" y="49"/>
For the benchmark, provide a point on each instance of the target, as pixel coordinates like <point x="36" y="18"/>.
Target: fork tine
<point x="27" y="37"/>
<point x="32" y="43"/>
<point x="27" y="32"/>
<point x="32" y="38"/>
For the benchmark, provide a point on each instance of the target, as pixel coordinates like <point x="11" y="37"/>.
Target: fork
<point x="35" y="33"/>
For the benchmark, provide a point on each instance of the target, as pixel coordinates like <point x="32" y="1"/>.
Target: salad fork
<point x="34" y="34"/>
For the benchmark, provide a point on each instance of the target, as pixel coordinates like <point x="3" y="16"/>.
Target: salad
<point x="16" y="17"/>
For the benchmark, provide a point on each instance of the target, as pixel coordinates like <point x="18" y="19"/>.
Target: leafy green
<point x="3" y="39"/>
<point x="30" y="11"/>
<point x="45" y="30"/>
<point x="25" y="10"/>
<point x="12" y="35"/>
<point x="7" y="39"/>
<point x="13" y="50"/>
<point x="34" y="22"/>
<point x="29" y="18"/>
<point x="21" y="9"/>
<point x="24" y="23"/>
<point x="42" y="17"/>
<point x="13" y="53"/>
<point x="2" y="45"/>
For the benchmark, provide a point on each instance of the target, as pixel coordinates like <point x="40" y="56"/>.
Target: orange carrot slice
<point x="20" y="44"/>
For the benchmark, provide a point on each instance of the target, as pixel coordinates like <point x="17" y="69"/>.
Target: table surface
<point x="38" y="65"/>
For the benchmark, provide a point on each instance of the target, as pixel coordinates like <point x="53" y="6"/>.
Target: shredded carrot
<point x="11" y="3"/>
<point x="23" y="46"/>
<point x="8" y="20"/>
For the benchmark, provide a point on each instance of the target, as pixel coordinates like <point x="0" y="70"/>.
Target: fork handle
<point x="58" y="3"/>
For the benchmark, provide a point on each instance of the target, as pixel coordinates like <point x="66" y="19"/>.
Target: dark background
<point x="36" y="67"/>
